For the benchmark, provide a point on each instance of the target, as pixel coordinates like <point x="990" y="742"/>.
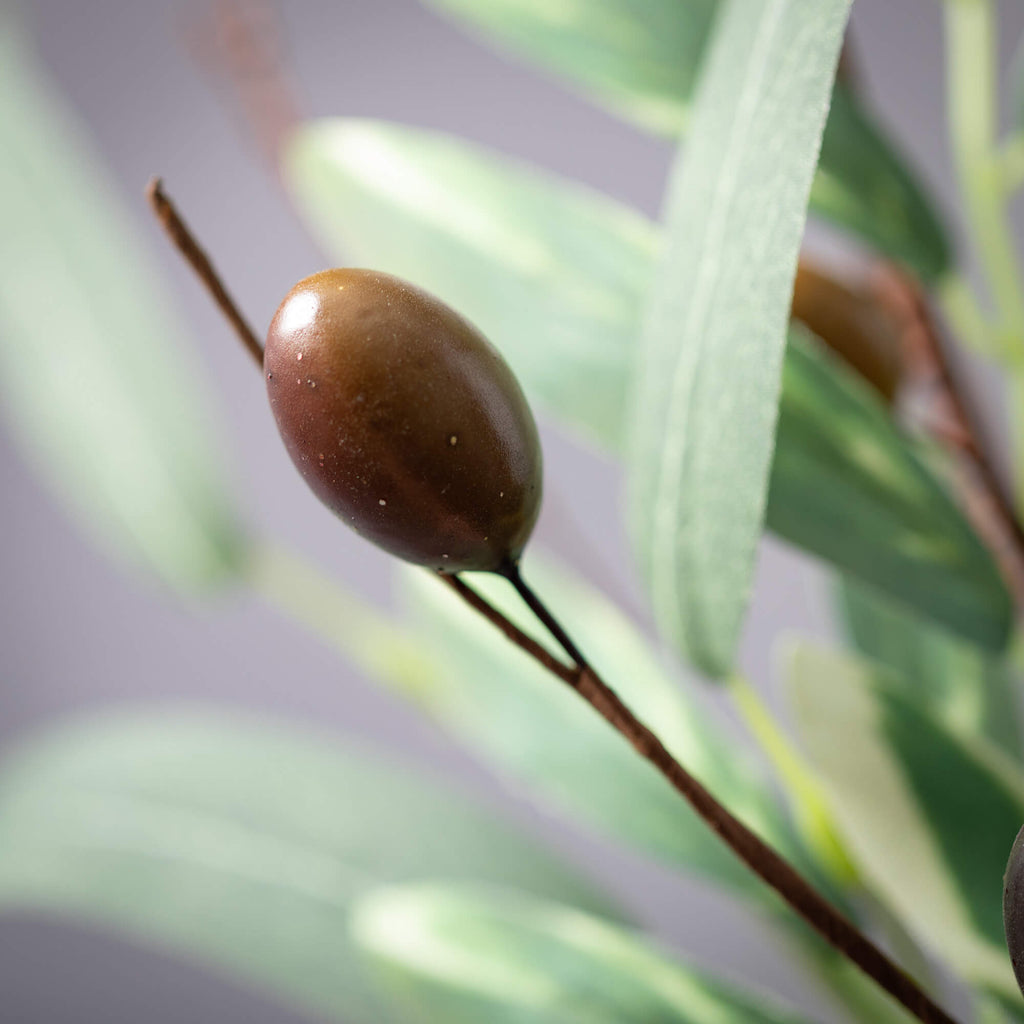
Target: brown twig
<point x="238" y="43"/>
<point x="958" y="428"/>
<point x="806" y="901"/>
<point x="185" y="243"/>
<point x="781" y="876"/>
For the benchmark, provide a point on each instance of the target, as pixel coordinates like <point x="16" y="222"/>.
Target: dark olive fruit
<point x="1013" y="907"/>
<point x="405" y="421"/>
<point x="852" y="322"/>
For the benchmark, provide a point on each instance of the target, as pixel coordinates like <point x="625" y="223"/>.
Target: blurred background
<point x="77" y="633"/>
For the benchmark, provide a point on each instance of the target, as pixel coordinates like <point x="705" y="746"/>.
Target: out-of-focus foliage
<point x="460" y="956"/>
<point x="94" y="369"/>
<point x="928" y="814"/>
<point x="642" y="58"/>
<point x="245" y="843"/>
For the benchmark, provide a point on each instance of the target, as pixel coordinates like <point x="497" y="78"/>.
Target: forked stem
<point x="804" y="899"/>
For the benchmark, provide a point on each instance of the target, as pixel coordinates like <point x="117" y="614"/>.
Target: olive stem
<point x="764" y="861"/>
<point x="184" y="241"/>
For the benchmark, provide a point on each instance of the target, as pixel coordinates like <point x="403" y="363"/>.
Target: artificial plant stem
<point x="185" y="242"/>
<point x="748" y="847"/>
<point x="971" y="99"/>
<point x="802" y="897"/>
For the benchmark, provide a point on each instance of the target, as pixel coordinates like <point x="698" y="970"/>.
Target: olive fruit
<point x="404" y="420"/>
<point x="1013" y="907"/>
<point x="851" y="321"/>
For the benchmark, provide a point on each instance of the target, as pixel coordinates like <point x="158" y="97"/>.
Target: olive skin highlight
<point x="404" y="420"/>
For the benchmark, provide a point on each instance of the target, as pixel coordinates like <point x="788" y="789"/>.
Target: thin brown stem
<point x="806" y="901"/>
<point x="184" y="241"/>
<point x="778" y="873"/>
<point x="238" y="44"/>
<point x="959" y="428"/>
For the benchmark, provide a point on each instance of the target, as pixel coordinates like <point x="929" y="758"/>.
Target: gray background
<point x="76" y="633"/>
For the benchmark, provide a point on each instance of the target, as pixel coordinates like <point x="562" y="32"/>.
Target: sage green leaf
<point x="641" y="61"/>
<point x="849" y="487"/>
<point x="928" y="814"/>
<point x="566" y="316"/>
<point x="456" y="955"/>
<point x="244" y="844"/>
<point x="966" y="688"/>
<point x="94" y="374"/>
<point x="553" y="274"/>
<point x="537" y="731"/>
<point x="714" y="337"/>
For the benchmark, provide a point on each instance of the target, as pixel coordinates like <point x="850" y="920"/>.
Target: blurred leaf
<point x="243" y="843"/>
<point x="460" y="956"/>
<point x="715" y="328"/>
<point x="373" y="191"/>
<point x="864" y="186"/>
<point x="552" y="273"/>
<point x="514" y="715"/>
<point x="849" y="487"/>
<point x="928" y="814"/>
<point x="1016" y="86"/>
<point x="93" y="370"/>
<point x="641" y="60"/>
<point x="960" y="684"/>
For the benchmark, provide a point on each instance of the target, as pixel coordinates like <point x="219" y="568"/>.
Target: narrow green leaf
<point x="928" y="814"/>
<point x="460" y="956"/>
<point x="94" y="375"/>
<point x="960" y="684"/>
<point x="556" y="277"/>
<point x="848" y="486"/>
<point x="243" y="843"/>
<point x="715" y="332"/>
<point x="552" y="274"/>
<point x="641" y="61"/>
<point x="515" y="716"/>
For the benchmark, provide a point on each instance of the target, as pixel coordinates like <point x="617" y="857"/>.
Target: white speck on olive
<point x="381" y="502"/>
<point x="299" y="357"/>
<point x="453" y="440"/>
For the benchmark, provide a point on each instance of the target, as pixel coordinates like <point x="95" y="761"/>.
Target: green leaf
<point x="641" y="61"/>
<point x="566" y="317"/>
<point x="460" y="956"/>
<point x="960" y="684"/>
<point x="552" y="274"/>
<point x="847" y="486"/>
<point x="94" y="376"/>
<point x="536" y="730"/>
<point x="715" y="330"/>
<point x="243" y="843"/>
<point x="929" y="814"/>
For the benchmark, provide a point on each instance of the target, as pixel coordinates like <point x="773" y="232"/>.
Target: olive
<point x="853" y="323"/>
<point x="404" y="420"/>
<point x="1013" y="907"/>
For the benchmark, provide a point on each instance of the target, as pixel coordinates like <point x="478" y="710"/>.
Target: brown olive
<point x="1013" y="907"/>
<point x="851" y="321"/>
<point x="404" y="420"/>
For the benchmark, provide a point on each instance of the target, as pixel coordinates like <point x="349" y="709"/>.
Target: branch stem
<point x="802" y="897"/>
<point x="184" y="241"/>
